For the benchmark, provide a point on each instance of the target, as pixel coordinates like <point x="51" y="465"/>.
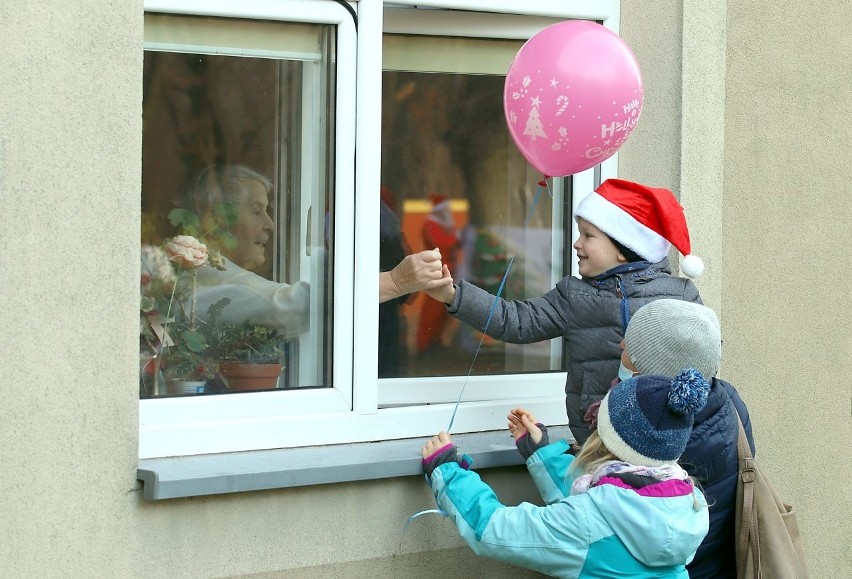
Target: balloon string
<point x="482" y="339"/>
<point x="421" y="513"/>
<point x="541" y="185"/>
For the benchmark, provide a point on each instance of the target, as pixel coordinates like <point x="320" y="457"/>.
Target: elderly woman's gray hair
<point x="218" y="184"/>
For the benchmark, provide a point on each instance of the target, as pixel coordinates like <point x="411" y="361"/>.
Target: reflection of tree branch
<point x="208" y="146"/>
<point x="482" y="110"/>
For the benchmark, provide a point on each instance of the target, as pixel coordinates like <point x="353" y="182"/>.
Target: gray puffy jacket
<point x="590" y="314"/>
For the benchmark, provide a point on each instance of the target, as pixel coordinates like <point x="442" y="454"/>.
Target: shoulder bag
<point x="769" y="544"/>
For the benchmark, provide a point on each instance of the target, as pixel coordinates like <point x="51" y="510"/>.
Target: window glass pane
<point x="237" y="151"/>
<point x="454" y="179"/>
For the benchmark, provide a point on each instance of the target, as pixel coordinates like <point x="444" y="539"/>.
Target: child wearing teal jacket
<point x="621" y="508"/>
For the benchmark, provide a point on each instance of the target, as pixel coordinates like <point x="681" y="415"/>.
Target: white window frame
<point x="497" y="388"/>
<point x="349" y="411"/>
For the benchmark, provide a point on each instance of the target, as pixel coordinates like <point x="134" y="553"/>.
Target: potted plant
<point x="173" y="344"/>
<point x="249" y="355"/>
<point x="186" y="371"/>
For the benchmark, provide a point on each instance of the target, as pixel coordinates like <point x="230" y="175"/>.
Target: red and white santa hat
<point x="647" y="220"/>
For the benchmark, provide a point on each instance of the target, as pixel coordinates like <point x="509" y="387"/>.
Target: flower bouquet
<point x="184" y="352"/>
<point x="172" y="342"/>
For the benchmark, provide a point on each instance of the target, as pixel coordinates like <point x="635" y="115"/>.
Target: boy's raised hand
<point x="446" y="292"/>
<point x="528" y="432"/>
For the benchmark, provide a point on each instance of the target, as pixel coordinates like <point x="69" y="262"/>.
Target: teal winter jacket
<point x="612" y="530"/>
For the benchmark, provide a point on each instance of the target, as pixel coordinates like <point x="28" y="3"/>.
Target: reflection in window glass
<point x="455" y="180"/>
<point x="237" y="206"/>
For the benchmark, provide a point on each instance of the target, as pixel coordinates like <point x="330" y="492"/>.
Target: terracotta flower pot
<point x="248" y="376"/>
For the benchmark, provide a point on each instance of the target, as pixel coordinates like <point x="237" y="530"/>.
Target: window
<point x="451" y="171"/>
<point x="270" y="87"/>
<point x="236" y="150"/>
<point x="447" y="156"/>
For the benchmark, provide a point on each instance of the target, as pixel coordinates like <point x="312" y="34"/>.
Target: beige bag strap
<point x="748" y="527"/>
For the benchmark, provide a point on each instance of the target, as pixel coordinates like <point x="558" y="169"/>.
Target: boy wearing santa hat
<point x="626" y="232"/>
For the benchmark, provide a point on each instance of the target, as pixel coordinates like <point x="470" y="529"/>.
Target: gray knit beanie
<point x="666" y="336"/>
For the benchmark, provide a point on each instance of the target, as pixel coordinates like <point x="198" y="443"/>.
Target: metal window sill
<point x="203" y="475"/>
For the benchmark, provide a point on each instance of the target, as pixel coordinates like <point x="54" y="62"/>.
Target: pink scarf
<point x="660" y="473"/>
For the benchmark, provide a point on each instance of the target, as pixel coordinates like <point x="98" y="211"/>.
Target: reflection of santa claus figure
<point x="438" y="231"/>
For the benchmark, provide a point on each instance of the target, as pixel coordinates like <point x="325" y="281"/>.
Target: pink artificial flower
<point x="186" y="251"/>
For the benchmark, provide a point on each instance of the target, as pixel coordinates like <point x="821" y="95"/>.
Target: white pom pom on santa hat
<point x="692" y="266"/>
<point x="647" y="220"/>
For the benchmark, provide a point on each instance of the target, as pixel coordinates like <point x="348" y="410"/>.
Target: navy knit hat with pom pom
<point x="647" y="420"/>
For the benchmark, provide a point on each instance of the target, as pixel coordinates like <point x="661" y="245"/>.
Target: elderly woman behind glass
<point x="231" y="202"/>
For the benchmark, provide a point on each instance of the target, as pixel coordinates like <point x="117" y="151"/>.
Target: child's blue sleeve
<point x="549" y="470"/>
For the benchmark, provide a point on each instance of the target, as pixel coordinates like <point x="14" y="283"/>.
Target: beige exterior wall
<point x="763" y="169"/>
<point x="786" y="262"/>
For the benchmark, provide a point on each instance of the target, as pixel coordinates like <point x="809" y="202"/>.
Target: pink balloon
<point x="572" y="97"/>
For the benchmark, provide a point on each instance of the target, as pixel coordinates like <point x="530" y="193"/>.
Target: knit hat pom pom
<point x="692" y="266"/>
<point x="688" y="393"/>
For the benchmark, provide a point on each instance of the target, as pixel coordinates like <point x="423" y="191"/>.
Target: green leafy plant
<point x="182" y="363"/>
<point x="246" y="342"/>
<point x="176" y="343"/>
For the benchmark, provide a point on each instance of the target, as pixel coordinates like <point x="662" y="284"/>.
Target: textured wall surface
<point x="652" y="153"/>
<point x="70" y="133"/>
<point x="786" y="215"/>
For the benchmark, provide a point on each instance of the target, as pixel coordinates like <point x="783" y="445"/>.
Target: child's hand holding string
<point x="529" y="434"/>
<point x="439" y="450"/>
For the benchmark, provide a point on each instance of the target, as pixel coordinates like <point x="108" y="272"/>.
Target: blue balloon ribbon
<point x="420" y="514"/>
<point x="541" y="186"/>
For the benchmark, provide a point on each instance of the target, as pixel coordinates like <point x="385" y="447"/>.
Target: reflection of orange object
<point x="487" y="341"/>
<point x="439" y="231"/>
<point x="414" y="214"/>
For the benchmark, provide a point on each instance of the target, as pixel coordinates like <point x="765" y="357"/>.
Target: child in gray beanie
<point x="664" y="337"/>
<point x="665" y="334"/>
